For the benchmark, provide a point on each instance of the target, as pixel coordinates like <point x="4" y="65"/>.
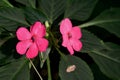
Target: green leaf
<point x="7" y="51"/>
<point x="109" y="20"/>
<point x="108" y="60"/>
<point x="79" y="9"/>
<point x="11" y="18"/>
<point x="44" y="56"/>
<point x="5" y="3"/>
<point x="52" y="8"/>
<point x="28" y="3"/>
<point x="73" y="68"/>
<point x="91" y="42"/>
<point x="98" y="75"/>
<point x="17" y="70"/>
<point x="1" y="55"/>
<point x="33" y="15"/>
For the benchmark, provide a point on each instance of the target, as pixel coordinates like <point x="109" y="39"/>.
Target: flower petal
<point x="23" y="34"/>
<point x="65" y="26"/>
<point x="70" y="49"/>
<point x="32" y="51"/>
<point x="42" y="44"/>
<point x="76" y="32"/>
<point x="22" y="46"/>
<point x="38" y="29"/>
<point x="76" y="44"/>
<point x="65" y="40"/>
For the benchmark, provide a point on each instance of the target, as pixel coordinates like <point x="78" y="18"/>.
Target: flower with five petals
<point x="33" y="41"/>
<point x="70" y="36"/>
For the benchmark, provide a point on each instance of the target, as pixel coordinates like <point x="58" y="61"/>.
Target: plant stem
<point x="36" y="70"/>
<point x="49" y="69"/>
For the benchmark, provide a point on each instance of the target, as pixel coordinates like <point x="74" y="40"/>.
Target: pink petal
<point x="22" y="46"/>
<point x="42" y="44"/>
<point x="76" y="32"/>
<point x="23" y="34"/>
<point x="76" y="44"/>
<point x="65" y="26"/>
<point x="38" y="29"/>
<point x="32" y="51"/>
<point x="65" y="40"/>
<point x="70" y="49"/>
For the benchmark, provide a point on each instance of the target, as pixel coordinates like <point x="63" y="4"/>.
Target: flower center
<point x="33" y="38"/>
<point x="69" y="35"/>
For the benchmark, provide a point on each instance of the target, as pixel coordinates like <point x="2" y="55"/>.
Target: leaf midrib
<point x="98" y="22"/>
<point x="10" y="18"/>
<point x="106" y="56"/>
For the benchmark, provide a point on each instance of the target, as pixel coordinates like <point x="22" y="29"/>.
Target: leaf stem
<point x="7" y="2"/>
<point x="49" y="69"/>
<point x="35" y="69"/>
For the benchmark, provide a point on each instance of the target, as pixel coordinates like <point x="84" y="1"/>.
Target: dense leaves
<point x="5" y="3"/>
<point x="108" y="60"/>
<point x="52" y="8"/>
<point x="17" y="13"/>
<point x="33" y="15"/>
<point x="109" y="20"/>
<point x="79" y="9"/>
<point x="28" y="3"/>
<point x="11" y="18"/>
<point x="15" y="70"/>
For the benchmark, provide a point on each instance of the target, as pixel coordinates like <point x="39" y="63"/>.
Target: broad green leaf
<point x="109" y="20"/>
<point x="33" y="15"/>
<point x="43" y="56"/>
<point x="73" y="68"/>
<point x="11" y="18"/>
<point x="52" y="8"/>
<point x="28" y="3"/>
<point x="108" y="60"/>
<point x="17" y="70"/>
<point x="91" y="42"/>
<point x="79" y="9"/>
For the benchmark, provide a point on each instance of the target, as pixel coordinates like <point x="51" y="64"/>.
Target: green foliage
<point x="81" y="72"/>
<point x="5" y="3"/>
<point x="104" y="55"/>
<point x="108" y="60"/>
<point x="79" y="9"/>
<point x="52" y="8"/>
<point x="33" y="15"/>
<point x="28" y="3"/>
<point x="11" y="18"/>
<point x="109" y="20"/>
<point x="43" y="56"/>
<point x="91" y="42"/>
<point x="15" y="70"/>
<point x="98" y="75"/>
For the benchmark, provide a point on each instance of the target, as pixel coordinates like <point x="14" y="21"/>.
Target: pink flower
<point x="33" y="41"/>
<point x="70" y="36"/>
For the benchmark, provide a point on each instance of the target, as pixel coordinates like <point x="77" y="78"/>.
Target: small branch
<point x="36" y="70"/>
